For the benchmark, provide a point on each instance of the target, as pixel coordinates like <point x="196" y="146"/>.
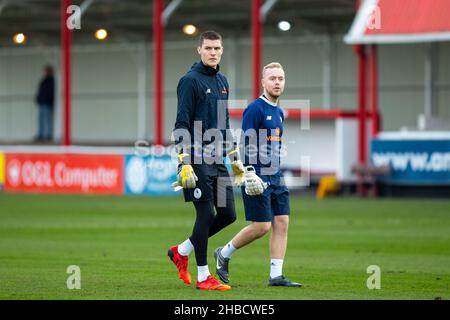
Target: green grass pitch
<point x="120" y="245"/>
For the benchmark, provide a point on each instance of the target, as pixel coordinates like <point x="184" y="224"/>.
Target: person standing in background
<point x="45" y="99"/>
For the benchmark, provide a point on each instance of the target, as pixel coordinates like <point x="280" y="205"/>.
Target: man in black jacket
<point x="202" y="111"/>
<point x="45" y="100"/>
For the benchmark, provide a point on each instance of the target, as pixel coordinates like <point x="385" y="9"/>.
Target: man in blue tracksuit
<point x="201" y="124"/>
<point x="267" y="203"/>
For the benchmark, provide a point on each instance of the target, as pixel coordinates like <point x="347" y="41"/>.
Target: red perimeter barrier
<point x="67" y="173"/>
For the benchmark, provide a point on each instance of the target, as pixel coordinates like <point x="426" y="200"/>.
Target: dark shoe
<point x="281" y="281"/>
<point x="221" y="265"/>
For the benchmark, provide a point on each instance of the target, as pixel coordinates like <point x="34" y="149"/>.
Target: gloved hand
<point x="186" y="176"/>
<point x="253" y="184"/>
<point x="239" y="172"/>
<point x="238" y="169"/>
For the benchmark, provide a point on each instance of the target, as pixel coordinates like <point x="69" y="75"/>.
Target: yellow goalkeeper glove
<point x="186" y="177"/>
<point x="238" y="170"/>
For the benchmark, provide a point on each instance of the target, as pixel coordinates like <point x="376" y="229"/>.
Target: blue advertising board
<point x="413" y="161"/>
<point x="150" y="175"/>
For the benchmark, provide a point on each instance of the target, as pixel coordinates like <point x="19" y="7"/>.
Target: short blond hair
<point x="271" y="66"/>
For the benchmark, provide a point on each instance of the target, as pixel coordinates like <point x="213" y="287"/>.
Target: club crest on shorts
<point x="197" y="193"/>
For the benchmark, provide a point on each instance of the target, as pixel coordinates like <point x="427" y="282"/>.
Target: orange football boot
<point x="181" y="262"/>
<point x="212" y="283"/>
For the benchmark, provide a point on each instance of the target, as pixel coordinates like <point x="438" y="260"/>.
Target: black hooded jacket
<point x="203" y="96"/>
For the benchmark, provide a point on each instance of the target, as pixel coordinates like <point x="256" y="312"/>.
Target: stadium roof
<point x="131" y="20"/>
<point x="400" y="21"/>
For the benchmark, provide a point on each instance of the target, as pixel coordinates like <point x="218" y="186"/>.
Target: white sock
<point x="186" y="247"/>
<point x="203" y="273"/>
<point x="228" y="250"/>
<point x="276" y="268"/>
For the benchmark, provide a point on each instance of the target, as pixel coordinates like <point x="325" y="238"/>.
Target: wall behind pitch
<point x="401" y="78"/>
<point x="443" y="80"/>
<point x="344" y="73"/>
<point x="104" y="106"/>
<point x="20" y="72"/>
<point x="301" y="59"/>
<point x="105" y="83"/>
<point x="178" y="59"/>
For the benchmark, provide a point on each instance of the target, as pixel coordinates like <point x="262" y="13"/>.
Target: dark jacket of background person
<point x="46" y="93"/>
